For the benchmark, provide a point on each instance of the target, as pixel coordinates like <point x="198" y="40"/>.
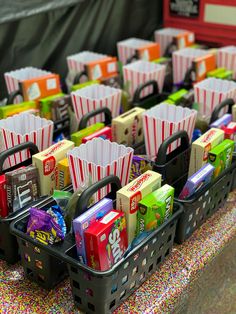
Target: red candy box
<point x="104" y="133"/>
<point x="106" y="241"/>
<point x="3" y="196"/>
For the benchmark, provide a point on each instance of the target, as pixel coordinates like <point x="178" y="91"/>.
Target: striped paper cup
<point x="94" y="97"/>
<point x="13" y="78"/>
<point x="182" y="61"/>
<point x="24" y="127"/>
<point x="97" y="159"/>
<point x="210" y="92"/>
<point x="226" y="58"/>
<point x="162" y="121"/>
<point x="140" y="72"/>
<point x="127" y="48"/>
<point x="166" y="35"/>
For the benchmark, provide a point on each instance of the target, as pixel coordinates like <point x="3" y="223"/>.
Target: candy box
<point x="154" y="208"/>
<point x="81" y="223"/>
<point x="201" y="148"/>
<point x="59" y="108"/>
<point x="197" y="181"/>
<point x="230" y="132"/>
<point x="234" y="112"/>
<point x="22" y="187"/>
<point x="127" y="128"/>
<point x="78" y="136"/>
<point x="106" y="241"/>
<point x="104" y="133"/>
<point x="127" y="198"/>
<point x="11" y="110"/>
<point x="140" y="164"/>
<point x="3" y="196"/>
<point x="47" y="164"/>
<point x="46" y="104"/>
<point x="223" y="121"/>
<point x="221" y="156"/>
<point x="64" y="178"/>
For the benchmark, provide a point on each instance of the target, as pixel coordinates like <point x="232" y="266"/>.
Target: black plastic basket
<point x="8" y="244"/>
<point x="102" y="292"/>
<point x="205" y="203"/>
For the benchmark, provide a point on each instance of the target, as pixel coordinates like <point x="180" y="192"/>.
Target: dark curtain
<point x="45" y="39"/>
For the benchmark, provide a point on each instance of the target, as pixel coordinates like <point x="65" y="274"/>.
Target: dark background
<point x="42" y="33"/>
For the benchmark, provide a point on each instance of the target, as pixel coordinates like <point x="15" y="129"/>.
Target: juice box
<point x="155" y="208"/>
<point x="127" y="128"/>
<point x="64" y="178"/>
<point x="127" y="198"/>
<point x="78" y="136"/>
<point x="197" y="181"/>
<point x="201" y="148"/>
<point x="47" y="164"/>
<point x="234" y="112"/>
<point x="82" y="222"/>
<point x="104" y="133"/>
<point x="3" y="197"/>
<point x="221" y="156"/>
<point x="106" y="241"/>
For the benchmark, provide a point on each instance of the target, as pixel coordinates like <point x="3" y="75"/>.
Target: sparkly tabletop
<point x="162" y="293"/>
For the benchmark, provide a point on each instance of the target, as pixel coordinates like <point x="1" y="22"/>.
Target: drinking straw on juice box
<point x="96" y="159"/>
<point x="163" y="120"/>
<point x="21" y="128"/>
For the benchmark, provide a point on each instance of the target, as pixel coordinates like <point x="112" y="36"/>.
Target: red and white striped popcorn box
<point x="210" y="92"/>
<point x="77" y="61"/>
<point x="21" y="128"/>
<point x="140" y="72"/>
<point x="13" y="78"/>
<point x="98" y="158"/>
<point x="163" y="120"/>
<point x="94" y="97"/>
<point x="226" y="58"/>
<point x="182" y="61"/>
<point x="166" y="35"/>
<point x="128" y="47"/>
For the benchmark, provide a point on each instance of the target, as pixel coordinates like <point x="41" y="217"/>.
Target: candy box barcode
<point x="106" y="241"/>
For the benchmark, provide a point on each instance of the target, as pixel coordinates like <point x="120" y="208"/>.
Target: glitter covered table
<point x="170" y="289"/>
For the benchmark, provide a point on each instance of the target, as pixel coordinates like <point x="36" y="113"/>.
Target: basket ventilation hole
<point x="112" y="304"/>
<point x="77" y="299"/>
<point x="150" y="268"/>
<point x="122" y="294"/>
<point x="132" y="285"/>
<point x="226" y="195"/>
<point x="161" y="247"/>
<point x="113" y="289"/>
<point x="91" y="307"/>
<point x="167" y="252"/>
<point x="126" y="265"/>
<point x="219" y="201"/>
<point x="89" y="292"/>
<point x="188" y="230"/>
<point x="142" y="276"/>
<point x="135" y="270"/>
<point x="74" y="270"/>
<point x="124" y="279"/>
<point x="169" y="238"/>
<point x="41" y="278"/>
<point x="144" y="262"/>
<point x="136" y="257"/>
<point x="153" y="253"/>
<point x="76" y="284"/>
<point x="194" y="224"/>
<point x="204" y="205"/>
<point x="154" y="240"/>
<point x="145" y="248"/>
<point x="159" y="260"/>
<point x="27" y="258"/>
<point x="38" y="264"/>
<point x="190" y="217"/>
<point x="197" y="210"/>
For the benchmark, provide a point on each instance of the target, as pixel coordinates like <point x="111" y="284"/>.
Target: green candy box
<point x="155" y="208"/>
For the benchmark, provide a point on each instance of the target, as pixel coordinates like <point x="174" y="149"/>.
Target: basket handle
<point x="85" y="196"/>
<point x="11" y="97"/>
<point x="78" y="77"/>
<point x="16" y="149"/>
<point x="227" y="102"/>
<point x="169" y="49"/>
<point x="187" y="78"/>
<point x="132" y="58"/>
<point x="162" y="152"/>
<point x="84" y="121"/>
<point x="137" y="98"/>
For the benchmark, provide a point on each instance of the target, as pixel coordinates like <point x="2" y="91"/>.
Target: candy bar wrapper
<point x="97" y="159"/>
<point x="34" y="83"/>
<point x="222" y="122"/>
<point x="22" y="128"/>
<point x="166" y="36"/>
<point x="134" y="47"/>
<point x="210" y="92"/>
<point x="94" y="97"/>
<point x="182" y="61"/>
<point x="226" y="58"/>
<point x="141" y="72"/>
<point x="11" y="110"/>
<point x="104" y="133"/>
<point x="162" y="121"/>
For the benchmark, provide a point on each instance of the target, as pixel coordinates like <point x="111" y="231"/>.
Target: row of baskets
<point x="48" y="265"/>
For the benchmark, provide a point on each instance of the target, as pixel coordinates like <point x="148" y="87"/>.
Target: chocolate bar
<point x="22" y="187"/>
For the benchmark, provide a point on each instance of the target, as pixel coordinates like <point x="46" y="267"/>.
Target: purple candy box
<point x="81" y="223"/>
